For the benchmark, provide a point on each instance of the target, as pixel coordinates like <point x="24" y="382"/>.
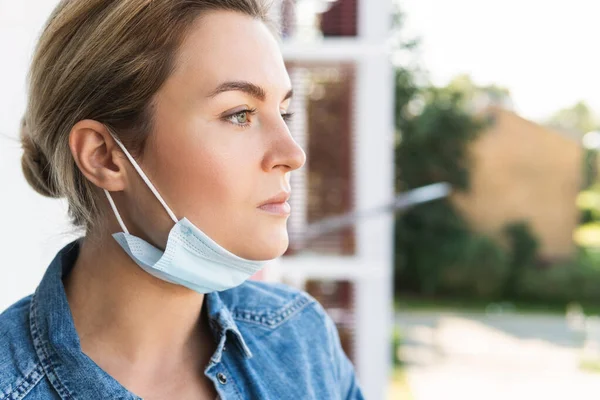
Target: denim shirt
<point x="273" y="342"/>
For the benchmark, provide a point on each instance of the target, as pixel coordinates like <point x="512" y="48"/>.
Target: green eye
<point x="241" y="118"/>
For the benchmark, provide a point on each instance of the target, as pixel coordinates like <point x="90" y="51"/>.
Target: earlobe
<point x="97" y="156"/>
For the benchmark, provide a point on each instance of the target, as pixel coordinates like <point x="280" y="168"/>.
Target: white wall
<point x="32" y="228"/>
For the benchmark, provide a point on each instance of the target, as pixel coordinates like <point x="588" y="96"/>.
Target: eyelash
<point x="286" y="117"/>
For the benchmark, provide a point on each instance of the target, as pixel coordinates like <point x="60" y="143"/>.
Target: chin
<point x="267" y="245"/>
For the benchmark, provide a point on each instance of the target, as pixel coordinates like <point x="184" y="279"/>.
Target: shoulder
<point x="286" y="324"/>
<point x="270" y="304"/>
<point x="20" y="370"/>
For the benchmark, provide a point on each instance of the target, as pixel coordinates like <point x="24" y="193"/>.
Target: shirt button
<point x="222" y="378"/>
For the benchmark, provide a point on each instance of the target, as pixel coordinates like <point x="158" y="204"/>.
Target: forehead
<point x="223" y="46"/>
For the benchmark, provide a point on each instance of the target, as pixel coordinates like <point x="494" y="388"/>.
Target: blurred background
<point x="491" y="291"/>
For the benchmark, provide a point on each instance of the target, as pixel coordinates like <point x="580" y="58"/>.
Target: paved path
<point x="487" y="357"/>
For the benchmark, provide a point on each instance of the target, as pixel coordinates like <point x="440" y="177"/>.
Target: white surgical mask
<point x="191" y="258"/>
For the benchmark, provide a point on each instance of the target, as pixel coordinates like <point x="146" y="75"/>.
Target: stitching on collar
<point x="27" y="384"/>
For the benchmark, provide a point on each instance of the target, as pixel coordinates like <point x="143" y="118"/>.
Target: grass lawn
<point x="590" y="366"/>
<point x="399" y="389"/>
<point x="423" y="304"/>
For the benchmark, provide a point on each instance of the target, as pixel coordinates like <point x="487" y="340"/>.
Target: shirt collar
<point x="221" y="322"/>
<point x="57" y="343"/>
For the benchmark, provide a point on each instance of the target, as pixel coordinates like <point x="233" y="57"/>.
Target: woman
<point x="162" y="122"/>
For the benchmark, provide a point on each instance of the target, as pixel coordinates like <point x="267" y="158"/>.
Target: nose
<point x="283" y="151"/>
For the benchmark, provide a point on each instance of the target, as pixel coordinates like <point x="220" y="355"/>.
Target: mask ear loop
<point x="146" y="181"/>
<point x="114" y="208"/>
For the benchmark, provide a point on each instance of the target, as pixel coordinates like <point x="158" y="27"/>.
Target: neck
<point x="123" y="313"/>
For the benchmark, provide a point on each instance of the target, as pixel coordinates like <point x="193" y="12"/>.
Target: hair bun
<point x="35" y="165"/>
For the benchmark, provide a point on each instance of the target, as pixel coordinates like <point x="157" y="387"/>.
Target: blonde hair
<point x="102" y="60"/>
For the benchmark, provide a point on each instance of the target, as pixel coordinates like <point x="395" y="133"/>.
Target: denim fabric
<point x="273" y="342"/>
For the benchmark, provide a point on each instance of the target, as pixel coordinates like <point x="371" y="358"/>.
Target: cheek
<point x="209" y="177"/>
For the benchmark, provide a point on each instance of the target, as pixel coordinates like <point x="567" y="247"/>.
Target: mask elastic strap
<point x="114" y="207"/>
<point x="146" y="181"/>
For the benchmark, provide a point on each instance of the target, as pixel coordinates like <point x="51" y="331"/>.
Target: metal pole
<point x="402" y="202"/>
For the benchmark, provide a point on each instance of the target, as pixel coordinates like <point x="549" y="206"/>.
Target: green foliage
<point x="482" y="272"/>
<point x="576" y="280"/>
<point x="578" y="118"/>
<point x="590" y="167"/>
<point x="479" y="96"/>
<point x="587" y="233"/>
<point x="587" y="215"/>
<point x="434" y="142"/>
<point x="436" y="251"/>
<point x="428" y="239"/>
<point x="433" y="239"/>
<point x="437" y="254"/>
<point x="523" y="247"/>
<point x="396" y="343"/>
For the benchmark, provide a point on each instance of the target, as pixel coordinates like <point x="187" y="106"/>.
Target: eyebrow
<point x="253" y="90"/>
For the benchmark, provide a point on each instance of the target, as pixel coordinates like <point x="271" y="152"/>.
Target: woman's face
<point x="220" y="146"/>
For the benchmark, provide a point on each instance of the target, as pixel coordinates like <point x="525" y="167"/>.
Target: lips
<point x="277" y="205"/>
<point x="282" y="197"/>
<point x="277" y="208"/>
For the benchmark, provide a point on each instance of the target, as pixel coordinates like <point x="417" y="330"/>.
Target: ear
<point x="98" y="156"/>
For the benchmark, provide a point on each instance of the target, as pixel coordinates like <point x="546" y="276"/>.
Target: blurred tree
<point x="435" y="128"/>
<point x="476" y="97"/>
<point x="436" y="251"/>
<point x="480" y="272"/>
<point x="571" y="280"/>
<point x="590" y="167"/>
<point x="523" y="247"/>
<point x="428" y="238"/>
<point x="577" y="119"/>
